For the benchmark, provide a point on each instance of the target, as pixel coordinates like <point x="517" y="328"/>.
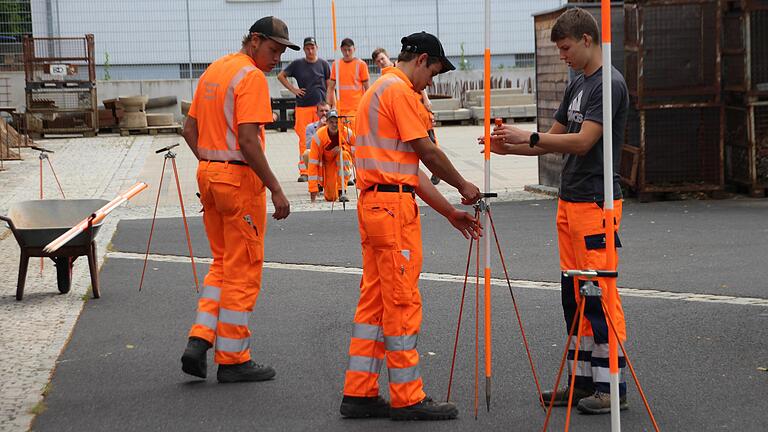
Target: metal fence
<point x="149" y="39"/>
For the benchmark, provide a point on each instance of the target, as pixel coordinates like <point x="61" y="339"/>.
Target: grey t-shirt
<point x="312" y="77"/>
<point x="582" y="176"/>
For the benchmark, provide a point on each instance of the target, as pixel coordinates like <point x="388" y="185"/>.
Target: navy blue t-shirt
<point x="312" y="77"/>
<point x="582" y="176"/>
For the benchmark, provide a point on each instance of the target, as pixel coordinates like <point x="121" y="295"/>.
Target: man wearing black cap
<point x="312" y="75"/>
<point x="225" y="130"/>
<point x="391" y="142"/>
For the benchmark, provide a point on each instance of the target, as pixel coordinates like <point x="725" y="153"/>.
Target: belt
<point x="392" y="188"/>
<point x="233" y="162"/>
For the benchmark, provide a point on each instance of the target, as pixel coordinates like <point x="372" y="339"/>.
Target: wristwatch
<point x="534" y="139"/>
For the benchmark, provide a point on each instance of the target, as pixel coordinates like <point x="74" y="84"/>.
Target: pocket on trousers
<point x="597" y="241"/>
<point x="405" y="279"/>
<point x="380" y="225"/>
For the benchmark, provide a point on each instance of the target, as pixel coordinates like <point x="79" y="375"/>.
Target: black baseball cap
<point x="425" y="43"/>
<point x="275" y="29"/>
<point x="309" y="40"/>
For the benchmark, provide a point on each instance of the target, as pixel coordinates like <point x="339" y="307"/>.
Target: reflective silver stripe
<point x="588" y="344"/>
<point x="365" y="364"/>
<point x="387" y="166"/>
<point x="375" y="104"/>
<point x="314" y="161"/>
<point x="232" y="345"/>
<point x="211" y="292"/>
<point x="221" y="155"/>
<point x="603" y="375"/>
<point x="368" y="331"/>
<point x="405" y="375"/>
<point x="206" y="319"/>
<point x="384" y="143"/>
<point x="351" y="87"/>
<point x="229" y="105"/>
<point x="583" y="369"/>
<point x="406" y="253"/>
<point x="233" y="317"/>
<point x="312" y="178"/>
<point x="401" y="343"/>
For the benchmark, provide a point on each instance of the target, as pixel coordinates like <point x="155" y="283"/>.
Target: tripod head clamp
<point x="169" y="154"/>
<point x="42" y="151"/>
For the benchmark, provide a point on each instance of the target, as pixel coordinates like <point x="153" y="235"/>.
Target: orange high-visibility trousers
<point x="303" y="116"/>
<point x="389" y="311"/>
<point x="235" y="209"/>
<point x="581" y="239"/>
<point x="327" y="174"/>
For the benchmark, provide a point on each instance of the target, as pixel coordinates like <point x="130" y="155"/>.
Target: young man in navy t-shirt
<point x="577" y="133"/>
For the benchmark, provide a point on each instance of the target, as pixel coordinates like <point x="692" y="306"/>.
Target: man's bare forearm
<point x="190" y="135"/>
<point x="439" y="164"/>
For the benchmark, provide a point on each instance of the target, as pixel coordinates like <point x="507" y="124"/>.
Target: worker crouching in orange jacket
<point x="323" y="163"/>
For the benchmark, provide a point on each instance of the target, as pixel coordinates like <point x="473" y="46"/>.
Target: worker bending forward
<point x="324" y="159"/>
<point x="225" y="130"/>
<point x="391" y="140"/>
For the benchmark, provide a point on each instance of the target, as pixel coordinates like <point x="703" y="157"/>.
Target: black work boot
<point x="427" y="409"/>
<point x="364" y="407"/>
<point x="193" y="360"/>
<point x="243" y="372"/>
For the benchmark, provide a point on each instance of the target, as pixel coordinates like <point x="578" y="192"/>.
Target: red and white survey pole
<point x="337" y="96"/>
<point x="486" y="199"/>
<point x="610" y="243"/>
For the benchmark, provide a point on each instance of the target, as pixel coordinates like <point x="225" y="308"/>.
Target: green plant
<point x="464" y="64"/>
<point x="107" y="66"/>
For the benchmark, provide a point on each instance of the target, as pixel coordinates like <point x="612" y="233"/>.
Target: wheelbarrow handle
<point x="8" y="220"/>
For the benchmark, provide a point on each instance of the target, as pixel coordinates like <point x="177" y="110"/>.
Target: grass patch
<point x="39" y="408"/>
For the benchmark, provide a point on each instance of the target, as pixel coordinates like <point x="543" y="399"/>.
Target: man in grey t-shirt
<point x="312" y="74"/>
<point x="577" y="134"/>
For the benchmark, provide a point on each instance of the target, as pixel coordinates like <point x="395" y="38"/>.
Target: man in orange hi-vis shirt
<point x="391" y="140"/>
<point x="225" y="130"/>
<point x="323" y="161"/>
<point x="352" y="81"/>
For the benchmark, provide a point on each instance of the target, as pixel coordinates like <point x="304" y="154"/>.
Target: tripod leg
<point x="458" y="326"/>
<point x="152" y="228"/>
<point x="55" y="177"/>
<point x="575" y="367"/>
<point x="186" y="227"/>
<point x="562" y="363"/>
<point x="631" y="370"/>
<point x="517" y="312"/>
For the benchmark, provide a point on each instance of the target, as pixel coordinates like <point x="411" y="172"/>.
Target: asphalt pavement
<point x="697" y="361"/>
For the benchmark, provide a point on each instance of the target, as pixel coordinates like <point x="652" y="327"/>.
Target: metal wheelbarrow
<point x="36" y="223"/>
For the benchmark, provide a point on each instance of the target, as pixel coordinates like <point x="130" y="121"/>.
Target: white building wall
<point x="155" y="32"/>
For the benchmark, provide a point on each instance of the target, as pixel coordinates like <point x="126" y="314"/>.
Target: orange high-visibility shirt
<point x="388" y="117"/>
<point x="231" y="92"/>
<point x="350" y="85"/>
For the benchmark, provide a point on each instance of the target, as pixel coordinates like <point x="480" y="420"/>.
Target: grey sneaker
<point x="600" y="403"/>
<point x="561" y="396"/>
<point x="343" y="199"/>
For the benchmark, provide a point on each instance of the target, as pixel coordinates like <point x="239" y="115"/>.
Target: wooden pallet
<point x="152" y="130"/>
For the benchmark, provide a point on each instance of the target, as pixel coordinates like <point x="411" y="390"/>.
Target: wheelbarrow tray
<point x="39" y="222"/>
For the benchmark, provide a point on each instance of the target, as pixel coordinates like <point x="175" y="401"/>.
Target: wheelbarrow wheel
<point x="63" y="274"/>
